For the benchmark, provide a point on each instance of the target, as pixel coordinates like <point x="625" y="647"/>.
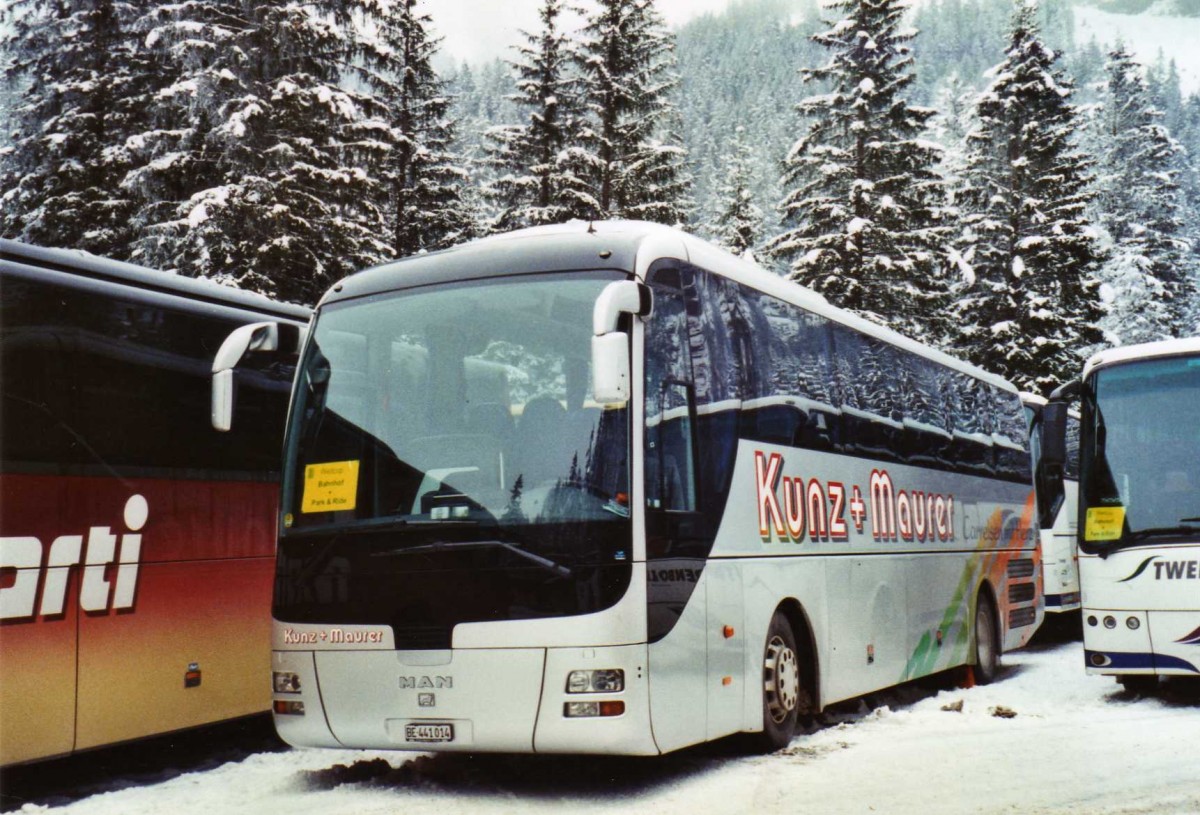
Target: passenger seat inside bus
<point x="540" y="444"/>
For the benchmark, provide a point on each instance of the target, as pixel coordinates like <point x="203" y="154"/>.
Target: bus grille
<point x="1020" y="568"/>
<point x="1020" y="592"/>
<point x="422" y="638"/>
<point x="1020" y="617"/>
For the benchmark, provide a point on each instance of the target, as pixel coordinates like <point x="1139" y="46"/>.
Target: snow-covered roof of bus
<point x="1146" y="350"/>
<point x="1032" y="398"/>
<point x="631" y="246"/>
<point x="94" y="267"/>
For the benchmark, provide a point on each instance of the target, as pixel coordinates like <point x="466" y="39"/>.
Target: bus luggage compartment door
<point x="478" y="699"/>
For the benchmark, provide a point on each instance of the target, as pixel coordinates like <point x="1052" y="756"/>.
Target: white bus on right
<point x="1139" y="509"/>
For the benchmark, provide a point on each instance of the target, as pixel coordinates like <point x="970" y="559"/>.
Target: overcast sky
<point x="481" y="29"/>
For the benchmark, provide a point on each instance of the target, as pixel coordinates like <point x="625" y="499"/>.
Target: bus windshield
<point x="456" y="405"/>
<point x="1140" y="480"/>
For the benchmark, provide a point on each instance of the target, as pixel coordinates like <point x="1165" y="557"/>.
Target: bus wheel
<point x="987" y="646"/>
<point x="1139" y="684"/>
<point x="781" y="685"/>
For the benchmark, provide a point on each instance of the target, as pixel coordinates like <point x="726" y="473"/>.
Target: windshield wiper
<point x="381" y="524"/>
<point x="442" y="546"/>
<point x="1162" y="532"/>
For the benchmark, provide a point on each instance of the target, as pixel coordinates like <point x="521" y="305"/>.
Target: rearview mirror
<point x="610" y="348"/>
<point x="269" y="337"/>
<point x="1054" y="436"/>
<point x="610" y="368"/>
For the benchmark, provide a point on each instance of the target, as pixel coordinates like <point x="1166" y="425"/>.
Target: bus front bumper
<point x="465" y="700"/>
<point x="1163" y="643"/>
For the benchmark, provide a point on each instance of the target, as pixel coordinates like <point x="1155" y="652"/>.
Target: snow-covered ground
<point x="1147" y="36"/>
<point x="1076" y="745"/>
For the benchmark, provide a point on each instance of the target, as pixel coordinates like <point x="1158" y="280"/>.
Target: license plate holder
<point x="433" y="733"/>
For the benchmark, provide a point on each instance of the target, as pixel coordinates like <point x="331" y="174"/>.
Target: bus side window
<point x="36" y="393"/>
<point x="674" y="449"/>
<point x="669" y="400"/>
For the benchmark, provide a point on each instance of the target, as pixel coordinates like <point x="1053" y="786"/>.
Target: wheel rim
<point x="985" y="642"/>
<point x="781" y="675"/>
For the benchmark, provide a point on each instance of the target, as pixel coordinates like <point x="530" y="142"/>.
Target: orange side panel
<point x="213" y="614"/>
<point x="37" y="688"/>
<point x="175" y="572"/>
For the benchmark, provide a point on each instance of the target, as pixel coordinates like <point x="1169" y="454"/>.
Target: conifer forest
<point x="968" y="172"/>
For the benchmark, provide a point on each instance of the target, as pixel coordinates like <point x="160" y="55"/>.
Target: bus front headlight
<point x="607" y="680"/>
<point x="285" y="682"/>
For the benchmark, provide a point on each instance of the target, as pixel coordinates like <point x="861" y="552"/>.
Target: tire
<point x="782" y="688"/>
<point x="987" y="642"/>
<point x="1139" y="684"/>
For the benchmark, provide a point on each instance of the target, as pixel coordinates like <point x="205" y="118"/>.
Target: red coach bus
<point x="136" y="543"/>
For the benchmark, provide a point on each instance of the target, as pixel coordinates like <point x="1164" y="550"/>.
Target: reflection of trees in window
<point x="876" y="368"/>
<point x="710" y="343"/>
<point x="530" y="374"/>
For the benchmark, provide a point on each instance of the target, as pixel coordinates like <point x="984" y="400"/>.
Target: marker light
<point x="284" y="708"/>
<point x="589" y="710"/>
<point x="1133" y="623"/>
<point x="1110" y="622"/>
<point x="607" y="680"/>
<point x="285" y="682"/>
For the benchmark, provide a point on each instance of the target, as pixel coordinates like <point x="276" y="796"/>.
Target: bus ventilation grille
<point x="1020" y="592"/>
<point x="1020" y="617"/>
<point x="422" y="638"/>
<point x="1020" y="568"/>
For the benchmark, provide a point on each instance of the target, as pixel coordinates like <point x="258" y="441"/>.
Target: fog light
<point x="284" y="708"/>
<point x="1092" y="621"/>
<point x="607" y="680"/>
<point x="1110" y="622"/>
<point x="589" y="710"/>
<point x="1133" y="623"/>
<point x="286" y="682"/>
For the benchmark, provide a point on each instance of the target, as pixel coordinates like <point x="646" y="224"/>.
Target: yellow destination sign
<point x="1104" y="523"/>
<point x="330" y="487"/>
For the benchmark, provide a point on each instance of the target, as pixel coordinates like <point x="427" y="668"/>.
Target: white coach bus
<point x="1139" y="562"/>
<point x="607" y="489"/>
<point x="1058" y="510"/>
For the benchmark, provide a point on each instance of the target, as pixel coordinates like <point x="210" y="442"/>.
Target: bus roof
<point x="1146" y="350"/>
<point x="629" y="246"/>
<point x="102" y="269"/>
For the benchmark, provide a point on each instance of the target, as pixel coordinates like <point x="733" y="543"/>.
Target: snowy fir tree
<point x="425" y="179"/>
<point x="258" y="167"/>
<point x="738" y="225"/>
<point x="733" y="68"/>
<point x="532" y="181"/>
<point x="1031" y="309"/>
<point x="962" y="38"/>
<point x="1149" y="274"/>
<point x="631" y="162"/>
<point x="80" y="88"/>
<point x="863" y="199"/>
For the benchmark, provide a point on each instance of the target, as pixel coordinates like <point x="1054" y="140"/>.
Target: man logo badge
<point x="426" y="700"/>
